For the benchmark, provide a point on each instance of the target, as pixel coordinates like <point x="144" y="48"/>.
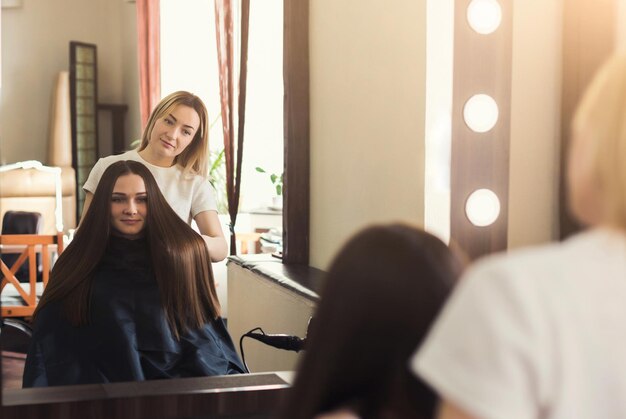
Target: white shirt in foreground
<point x="537" y="333"/>
<point x="188" y="195"/>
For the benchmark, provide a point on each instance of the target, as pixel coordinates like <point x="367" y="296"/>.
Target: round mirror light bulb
<point x="482" y="207"/>
<point x="480" y="113"/>
<point x="484" y="16"/>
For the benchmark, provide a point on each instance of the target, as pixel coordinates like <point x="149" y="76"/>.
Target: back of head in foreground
<point x="179" y="258"/>
<point x="532" y="333"/>
<point x="382" y="292"/>
<point x="596" y="168"/>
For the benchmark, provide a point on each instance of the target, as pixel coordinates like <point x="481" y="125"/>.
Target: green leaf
<point x="279" y="190"/>
<point x="215" y="121"/>
<point x="259" y="169"/>
<point x="218" y="162"/>
<point x="273" y="178"/>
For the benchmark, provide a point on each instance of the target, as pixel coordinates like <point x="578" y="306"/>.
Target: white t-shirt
<point x="188" y="195"/>
<point x="537" y="333"/>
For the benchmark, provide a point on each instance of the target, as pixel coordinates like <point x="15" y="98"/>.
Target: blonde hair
<point x="600" y="122"/>
<point x="194" y="159"/>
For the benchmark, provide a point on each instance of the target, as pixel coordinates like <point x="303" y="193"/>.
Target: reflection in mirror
<point x="138" y="303"/>
<point x="117" y="81"/>
<point x="259" y="223"/>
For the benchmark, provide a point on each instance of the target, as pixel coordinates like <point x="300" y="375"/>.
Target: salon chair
<point x="15" y="335"/>
<point x="21" y="222"/>
<point x="20" y="299"/>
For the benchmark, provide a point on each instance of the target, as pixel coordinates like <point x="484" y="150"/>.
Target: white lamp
<point x="484" y="16"/>
<point x="480" y="113"/>
<point x="482" y="207"/>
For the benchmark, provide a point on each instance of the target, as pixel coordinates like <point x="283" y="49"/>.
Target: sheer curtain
<point x="233" y="72"/>
<point x="148" y="48"/>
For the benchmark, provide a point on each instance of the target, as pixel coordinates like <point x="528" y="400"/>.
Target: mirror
<point x="121" y="71"/>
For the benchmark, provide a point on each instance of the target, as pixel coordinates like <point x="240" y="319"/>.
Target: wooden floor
<point x="12" y="369"/>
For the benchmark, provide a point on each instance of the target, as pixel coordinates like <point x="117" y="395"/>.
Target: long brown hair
<point x="381" y="294"/>
<point x="179" y="256"/>
<point x="194" y="157"/>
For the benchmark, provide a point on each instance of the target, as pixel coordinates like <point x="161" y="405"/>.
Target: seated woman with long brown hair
<point x="132" y="297"/>
<point x="382" y="292"/>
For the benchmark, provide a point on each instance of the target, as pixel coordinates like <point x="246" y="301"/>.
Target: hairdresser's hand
<point x="218" y="249"/>
<point x="211" y="231"/>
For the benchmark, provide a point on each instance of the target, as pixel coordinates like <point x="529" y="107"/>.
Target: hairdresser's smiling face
<point x="129" y="206"/>
<point x="172" y="133"/>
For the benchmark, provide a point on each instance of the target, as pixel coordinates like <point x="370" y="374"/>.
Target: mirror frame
<point x="296" y="205"/>
<point x="194" y="396"/>
<point x="480" y="160"/>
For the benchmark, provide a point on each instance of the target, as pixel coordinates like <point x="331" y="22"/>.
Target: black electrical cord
<point x="280" y="341"/>
<point x="243" y="357"/>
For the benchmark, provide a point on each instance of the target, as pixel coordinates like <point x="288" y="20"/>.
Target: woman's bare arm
<point x="211" y="230"/>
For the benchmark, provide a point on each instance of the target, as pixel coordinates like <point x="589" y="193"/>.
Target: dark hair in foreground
<point x="382" y="293"/>
<point x="179" y="256"/>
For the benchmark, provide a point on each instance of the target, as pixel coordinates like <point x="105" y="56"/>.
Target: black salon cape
<point x="128" y="337"/>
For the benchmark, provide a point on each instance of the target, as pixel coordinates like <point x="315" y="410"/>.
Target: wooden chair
<point x="245" y="240"/>
<point x="21" y="222"/>
<point x="20" y="299"/>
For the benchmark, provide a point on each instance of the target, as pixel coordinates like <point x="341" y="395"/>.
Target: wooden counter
<point x="264" y="292"/>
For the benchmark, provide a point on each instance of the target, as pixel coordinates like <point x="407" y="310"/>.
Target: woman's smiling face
<point x="129" y="206"/>
<point x="173" y="132"/>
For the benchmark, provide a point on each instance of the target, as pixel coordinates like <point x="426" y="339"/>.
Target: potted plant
<point x="277" y="182"/>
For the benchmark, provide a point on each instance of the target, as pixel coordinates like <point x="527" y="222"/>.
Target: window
<point x="189" y="62"/>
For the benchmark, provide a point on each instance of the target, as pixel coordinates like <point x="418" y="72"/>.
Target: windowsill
<point x="264" y="211"/>
<point x="303" y="280"/>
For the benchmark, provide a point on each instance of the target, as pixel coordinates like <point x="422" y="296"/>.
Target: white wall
<point x="535" y="122"/>
<point x="621" y="25"/>
<point x="130" y="68"/>
<point x="367" y="102"/>
<point x="438" y="128"/>
<point x="367" y="69"/>
<point x="35" y="47"/>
